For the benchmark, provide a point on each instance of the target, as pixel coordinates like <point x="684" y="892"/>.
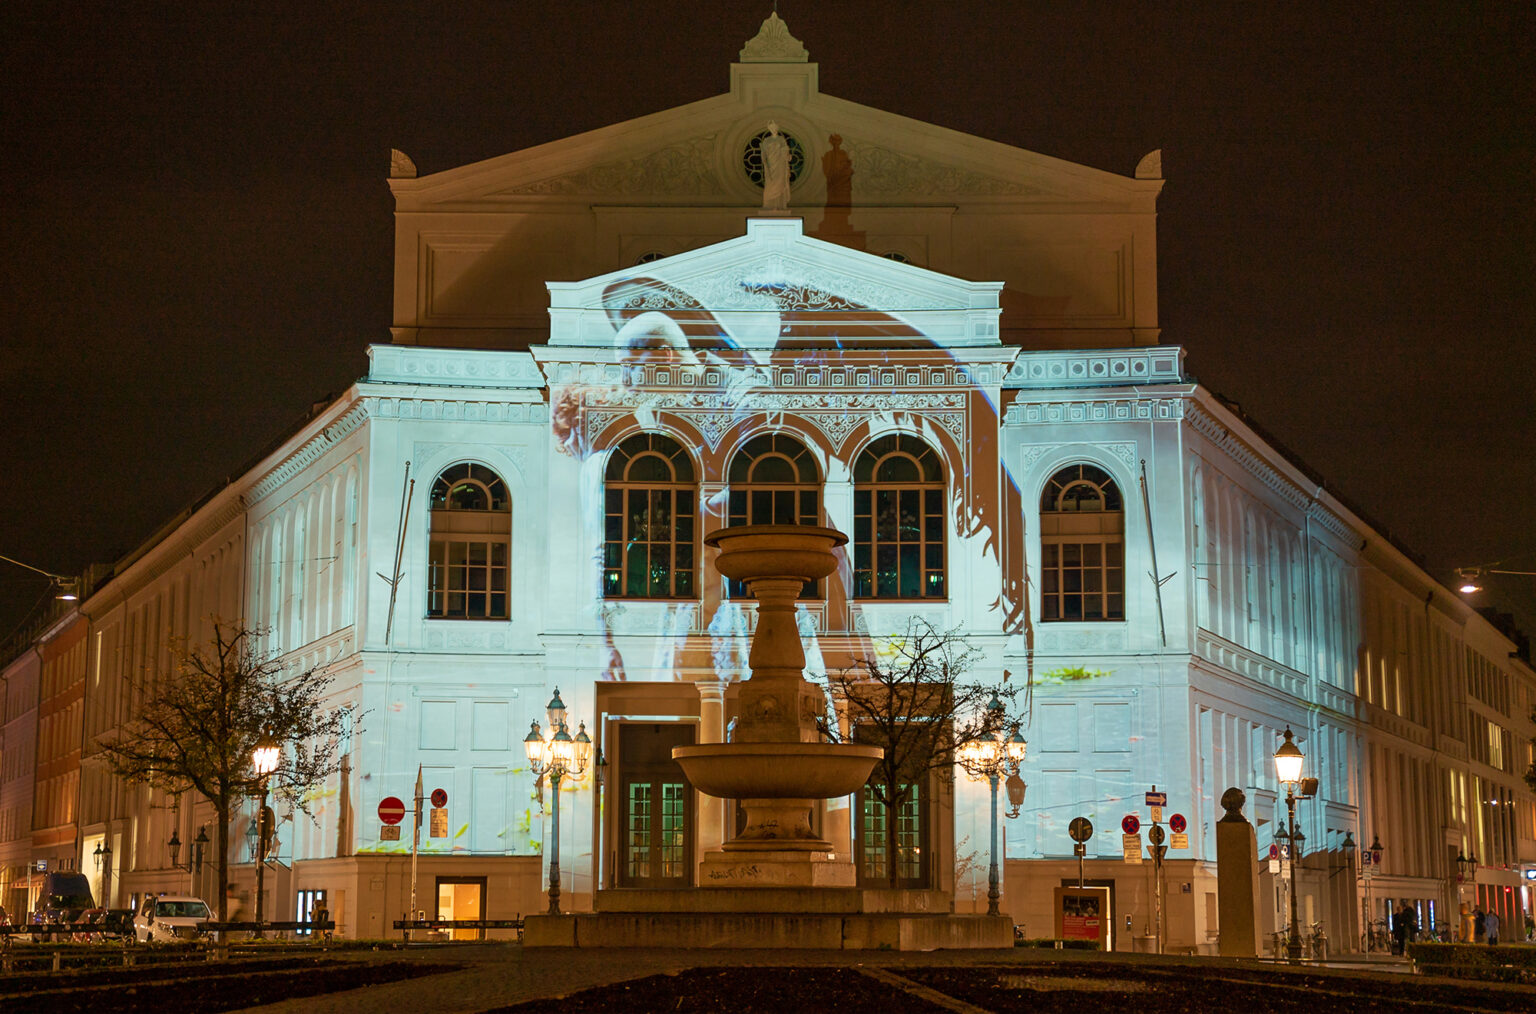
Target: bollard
<point x="57" y="962"/>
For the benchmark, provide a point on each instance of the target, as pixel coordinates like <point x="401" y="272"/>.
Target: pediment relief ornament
<point x="880" y="170"/>
<point x="778" y="282"/>
<point x="686" y="168"/>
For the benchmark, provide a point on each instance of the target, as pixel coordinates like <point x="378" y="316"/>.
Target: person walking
<point x="1479" y="924"/>
<point x="1399" y="930"/>
<point x="1491" y="927"/>
<point x="1411" y="924"/>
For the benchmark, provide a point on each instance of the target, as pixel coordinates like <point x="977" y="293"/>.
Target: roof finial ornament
<point x="774" y="44"/>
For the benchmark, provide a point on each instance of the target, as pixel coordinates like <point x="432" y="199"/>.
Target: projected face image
<point x="701" y="424"/>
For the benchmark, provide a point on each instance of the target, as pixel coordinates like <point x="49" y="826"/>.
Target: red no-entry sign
<point x="391" y="810"/>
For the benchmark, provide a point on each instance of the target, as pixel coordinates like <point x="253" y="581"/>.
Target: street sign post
<point x="1131" y="844"/>
<point x="439" y="828"/>
<point x="1155" y="798"/>
<point x="1178" y="840"/>
<point x="389" y="832"/>
<point x="391" y="810"/>
<point x="1177" y="824"/>
<point x="439" y="798"/>
<point x="1131" y="824"/>
<point x="1081" y="829"/>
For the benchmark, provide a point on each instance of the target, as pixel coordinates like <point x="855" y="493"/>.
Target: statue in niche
<point x="775" y="170"/>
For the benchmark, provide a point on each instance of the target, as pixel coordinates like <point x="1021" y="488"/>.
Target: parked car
<point x="62" y="898"/>
<point x="170" y="917"/>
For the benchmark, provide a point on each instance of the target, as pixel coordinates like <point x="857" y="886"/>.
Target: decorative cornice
<point x="408" y="364"/>
<point x="686" y="168"/>
<point x="309" y="452"/>
<point x="1212" y="429"/>
<point x="778" y="282"/>
<point x="1161" y="364"/>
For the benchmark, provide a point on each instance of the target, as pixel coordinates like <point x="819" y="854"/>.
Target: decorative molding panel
<point x="1124" y="450"/>
<point x="406" y="364"/>
<point x="1119" y="410"/>
<point x="1045" y="370"/>
<point x="686" y="168"/>
<point x="881" y="171"/>
<point x="459" y="411"/>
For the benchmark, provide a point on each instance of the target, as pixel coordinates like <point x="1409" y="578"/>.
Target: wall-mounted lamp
<point x="1470" y="579"/>
<point x="68" y="588"/>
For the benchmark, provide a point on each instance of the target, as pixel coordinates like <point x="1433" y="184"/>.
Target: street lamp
<point x="264" y="760"/>
<point x="1288" y="760"/>
<point x="991" y="757"/>
<point x="559" y="755"/>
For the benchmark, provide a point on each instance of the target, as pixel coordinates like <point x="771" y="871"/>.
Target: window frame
<point x="930" y="492"/>
<point x="1068" y="539"/>
<point x="681" y="495"/>
<point x="467" y="541"/>
<point x="743" y="493"/>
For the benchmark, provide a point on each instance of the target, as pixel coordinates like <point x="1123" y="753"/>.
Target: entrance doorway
<point x="655" y="806"/>
<point x="462" y="898"/>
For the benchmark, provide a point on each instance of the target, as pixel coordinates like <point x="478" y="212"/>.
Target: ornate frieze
<point x="809" y="375"/>
<point x="684" y="168"/>
<point x="1125" y="450"/>
<point x="778" y="281"/>
<point x="1051" y="639"/>
<point x="885" y="172"/>
<point x="406" y="364"/>
<point x="1099" y="368"/>
<point x="1119" y="410"/>
<point x="459" y="411"/>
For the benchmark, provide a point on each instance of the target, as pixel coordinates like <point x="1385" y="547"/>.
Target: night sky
<point x="197" y="232"/>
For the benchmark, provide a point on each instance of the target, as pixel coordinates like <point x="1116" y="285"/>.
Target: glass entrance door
<point x="462" y="898"/>
<point x="655" y="807"/>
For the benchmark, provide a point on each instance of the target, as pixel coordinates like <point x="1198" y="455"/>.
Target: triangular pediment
<point x="775" y="284"/>
<point x="695" y="154"/>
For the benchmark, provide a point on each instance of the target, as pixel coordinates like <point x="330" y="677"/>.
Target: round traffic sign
<point x="1177" y="823"/>
<point x="1081" y="829"/>
<point x="391" y="810"/>
<point x="1131" y="824"/>
<point x="1155" y="834"/>
<point x="439" y="798"/>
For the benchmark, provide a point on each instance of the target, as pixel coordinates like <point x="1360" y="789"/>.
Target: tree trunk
<point x="892" y="817"/>
<point x="221" y="839"/>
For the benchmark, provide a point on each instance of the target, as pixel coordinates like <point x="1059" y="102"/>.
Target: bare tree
<point x="918" y="701"/>
<point x="196" y="727"/>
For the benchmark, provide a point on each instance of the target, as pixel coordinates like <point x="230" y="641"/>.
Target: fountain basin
<point x="754" y="552"/>
<point x="777" y="770"/>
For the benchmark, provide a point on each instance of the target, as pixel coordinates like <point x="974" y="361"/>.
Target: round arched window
<point x="752" y="157"/>
<point x="1082" y="546"/>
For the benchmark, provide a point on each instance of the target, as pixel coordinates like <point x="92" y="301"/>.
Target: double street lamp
<point x="1288" y="761"/>
<point x="559" y="755"/>
<point x="991" y="757"/>
<point x="264" y="761"/>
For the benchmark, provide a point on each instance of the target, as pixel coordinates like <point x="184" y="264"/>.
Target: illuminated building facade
<point x="949" y="350"/>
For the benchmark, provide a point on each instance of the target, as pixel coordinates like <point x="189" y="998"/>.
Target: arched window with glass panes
<point x="649" y="503"/>
<point x="1082" y="546"/>
<point x="898" y="520"/>
<point x="773" y="481"/>
<point x="471" y="549"/>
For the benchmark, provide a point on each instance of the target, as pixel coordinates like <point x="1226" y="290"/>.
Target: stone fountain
<point x="777" y="884"/>
<point x="775" y="767"/>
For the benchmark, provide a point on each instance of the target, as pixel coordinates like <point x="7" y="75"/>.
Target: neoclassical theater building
<point x="948" y="348"/>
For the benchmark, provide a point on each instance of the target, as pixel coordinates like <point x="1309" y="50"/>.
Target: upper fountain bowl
<point x="750" y="552"/>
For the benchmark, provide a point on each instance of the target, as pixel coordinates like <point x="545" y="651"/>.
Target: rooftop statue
<point x="775" y="171"/>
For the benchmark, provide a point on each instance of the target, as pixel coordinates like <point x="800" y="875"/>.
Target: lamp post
<point x="991" y="756"/>
<point x="1288" y="761"/>
<point x="264" y="761"/>
<point x="559" y="755"/>
<point x="103" y="857"/>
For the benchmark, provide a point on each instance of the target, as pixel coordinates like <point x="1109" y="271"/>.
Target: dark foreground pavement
<point x="504" y="977"/>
